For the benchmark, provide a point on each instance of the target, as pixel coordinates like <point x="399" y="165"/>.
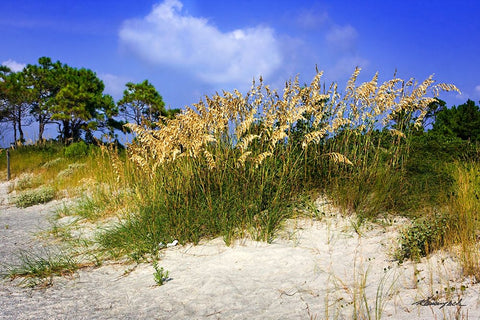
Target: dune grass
<point x="237" y="165"/>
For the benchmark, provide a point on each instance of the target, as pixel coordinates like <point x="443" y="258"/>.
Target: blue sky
<point x="189" y="48"/>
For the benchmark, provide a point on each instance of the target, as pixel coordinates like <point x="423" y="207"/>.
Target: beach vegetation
<point x="238" y="165"/>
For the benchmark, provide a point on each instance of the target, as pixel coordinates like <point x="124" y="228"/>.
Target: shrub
<point x="31" y="197"/>
<point x="76" y="150"/>
<point x="423" y="236"/>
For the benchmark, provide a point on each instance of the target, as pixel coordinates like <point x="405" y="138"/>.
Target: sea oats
<point x="338" y="158"/>
<point x="234" y="121"/>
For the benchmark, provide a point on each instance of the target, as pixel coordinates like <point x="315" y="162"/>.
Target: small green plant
<point x="32" y="197"/>
<point x="160" y="275"/>
<point x="87" y="207"/>
<point x="76" y="150"/>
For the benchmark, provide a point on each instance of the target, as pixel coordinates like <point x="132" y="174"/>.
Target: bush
<point x="422" y="237"/>
<point x="31" y="197"/>
<point x="76" y="150"/>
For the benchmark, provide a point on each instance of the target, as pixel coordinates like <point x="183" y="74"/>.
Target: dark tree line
<point x="461" y="121"/>
<point x="52" y="93"/>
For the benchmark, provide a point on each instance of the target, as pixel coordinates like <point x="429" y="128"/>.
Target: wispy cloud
<point x="477" y="90"/>
<point x="114" y="85"/>
<point x="14" y="65"/>
<point x="170" y="37"/>
<point x="342" y="38"/>
<point x="311" y="19"/>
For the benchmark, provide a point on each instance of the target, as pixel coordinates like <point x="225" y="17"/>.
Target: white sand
<point x="314" y="269"/>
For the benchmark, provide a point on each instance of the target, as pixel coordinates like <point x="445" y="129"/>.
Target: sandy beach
<point x="315" y="269"/>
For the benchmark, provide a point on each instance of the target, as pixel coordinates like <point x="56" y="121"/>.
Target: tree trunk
<point x="41" y="129"/>
<point x="66" y="130"/>
<point x="15" y="131"/>
<point x="20" y="130"/>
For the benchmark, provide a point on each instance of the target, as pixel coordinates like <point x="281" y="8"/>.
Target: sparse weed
<point x="70" y="170"/>
<point x="26" y="181"/>
<point x="52" y="163"/>
<point x="39" y="268"/>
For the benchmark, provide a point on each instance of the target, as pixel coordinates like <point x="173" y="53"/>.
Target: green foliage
<point x="391" y="176"/>
<point x="80" y="103"/>
<point x="76" y="150"/>
<point x="425" y="235"/>
<point x="462" y="121"/>
<point x="142" y="104"/>
<point x="35" y="196"/>
<point x="160" y="275"/>
<point x="39" y="268"/>
<point x="53" y="92"/>
<point x="44" y="84"/>
<point x="14" y="99"/>
<point x="190" y="203"/>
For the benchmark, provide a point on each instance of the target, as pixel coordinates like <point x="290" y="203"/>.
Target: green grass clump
<point x="464" y="208"/>
<point x="90" y="208"/>
<point x="221" y="202"/>
<point x="35" y="196"/>
<point x="39" y="268"/>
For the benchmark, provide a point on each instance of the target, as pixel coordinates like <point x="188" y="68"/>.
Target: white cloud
<point x="477" y="90"/>
<point x="167" y="36"/>
<point x="463" y="96"/>
<point x="14" y="65"/>
<point x="342" y="39"/>
<point x="114" y="85"/>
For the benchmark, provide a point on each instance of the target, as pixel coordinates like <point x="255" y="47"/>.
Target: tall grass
<point x="464" y="209"/>
<point x="453" y="224"/>
<point x="233" y="165"/>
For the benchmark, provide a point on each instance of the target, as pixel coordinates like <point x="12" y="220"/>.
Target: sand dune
<point x="315" y="269"/>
